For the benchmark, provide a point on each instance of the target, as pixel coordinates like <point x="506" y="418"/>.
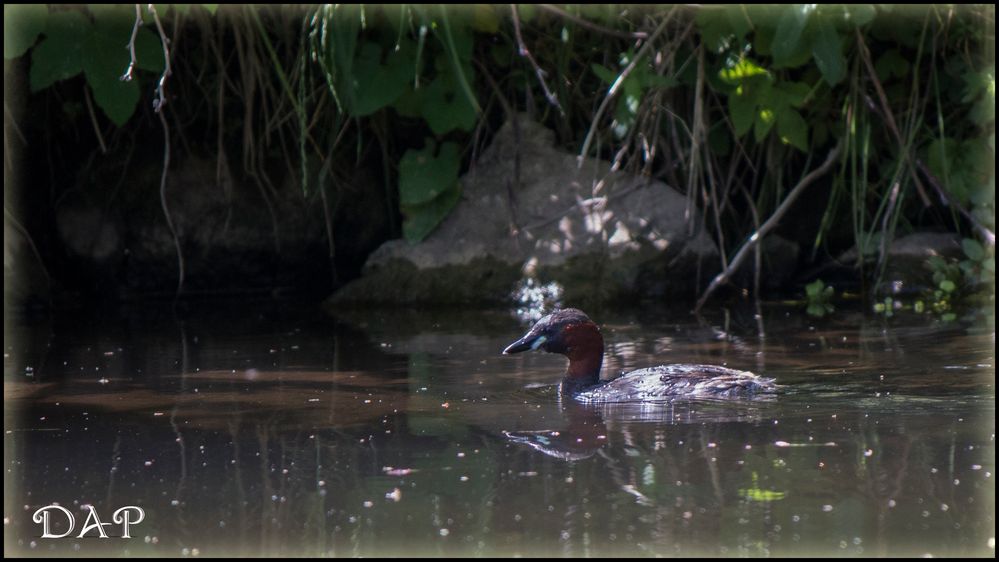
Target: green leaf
<point x="337" y="60"/>
<point x="105" y="59"/>
<point x="410" y="103"/>
<point x="792" y="129"/>
<point x="828" y="52"/>
<point x="763" y="121"/>
<point x="742" y="109"/>
<point x="892" y="63"/>
<point x="148" y="51"/>
<point x="738" y="70"/>
<point x="973" y="249"/>
<point x="457" y="44"/>
<point x="484" y="18"/>
<point x="814" y="288"/>
<point x="860" y="14"/>
<point x="421" y="220"/>
<point x="948" y="286"/>
<point x="738" y="20"/>
<point x="377" y="85"/>
<point x="788" y="38"/>
<point x="22" y="24"/>
<point x="444" y="106"/>
<point x="58" y="56"/>
<point x="527" y="12"/>
<point x="604" y="73"/>
<point x="428" y="188"/>
<point x="791" y="93"/>
<point x="715" y="29"/>
<point x="816" y="309"/>
<point x="935" y="263"/>
<point x="424" y="176"/>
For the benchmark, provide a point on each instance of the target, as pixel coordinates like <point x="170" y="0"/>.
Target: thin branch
<point x="160" y="100"/>
<point x="163" y="202"/>
<point x="93" y="119"/>
<point x="757" y="237"/>
<point x="617" y="84"/>
<point x="989" y="236"/>
<point x="158" y="105"/>
<point x="127" y="77"/>
<point x="945" y="200"/>
<point x="592" y="26"/>
<point x="522" y="51"/>
<point x="865" y="55"/>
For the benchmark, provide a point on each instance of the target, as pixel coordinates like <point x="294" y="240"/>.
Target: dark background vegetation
<point x="265" y="149"/>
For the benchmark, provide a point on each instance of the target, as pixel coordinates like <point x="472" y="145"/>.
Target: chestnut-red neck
<point x="585" y="350"/>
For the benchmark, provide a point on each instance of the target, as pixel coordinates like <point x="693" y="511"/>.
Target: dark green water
<point x="269" y="429"/>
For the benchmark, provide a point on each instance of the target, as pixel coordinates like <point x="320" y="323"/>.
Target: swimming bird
<point x="570" y="332"/>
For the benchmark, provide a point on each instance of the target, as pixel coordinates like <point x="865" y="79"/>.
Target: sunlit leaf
<point x="742" y="69"/>
<point x="764" y="121"/>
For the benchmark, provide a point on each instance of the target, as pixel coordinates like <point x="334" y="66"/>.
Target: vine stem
<point x="522" y="51"/>
<point x="161" y="86"/>
<point x="127" y="77"/>
<point x="158" y="104"/>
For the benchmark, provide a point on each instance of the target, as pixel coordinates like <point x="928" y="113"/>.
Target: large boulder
<point x="529" y="210"/>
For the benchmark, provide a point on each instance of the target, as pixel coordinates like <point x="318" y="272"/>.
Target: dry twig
<point x="757" y="237"/>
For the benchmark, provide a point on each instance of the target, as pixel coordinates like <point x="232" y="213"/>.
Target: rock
<point x="906" y="270"/>
<point x="603" y="235"/>
<point x="780" y="263"/>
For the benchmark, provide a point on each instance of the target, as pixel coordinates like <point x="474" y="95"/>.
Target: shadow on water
<point x="273" y="429"/>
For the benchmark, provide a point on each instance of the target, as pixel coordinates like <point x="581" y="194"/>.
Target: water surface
<point x="270" y="428"/>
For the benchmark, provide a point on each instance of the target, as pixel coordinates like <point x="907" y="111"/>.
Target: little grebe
<point x="571" y="333"/>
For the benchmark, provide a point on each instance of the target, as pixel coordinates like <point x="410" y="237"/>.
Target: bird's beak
<point x="529" y="342"/>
